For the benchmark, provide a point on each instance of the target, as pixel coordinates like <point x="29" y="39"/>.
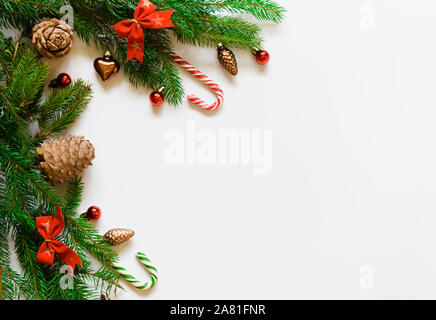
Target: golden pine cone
<point x="119" y="235"/>
<point x="53" y="38"/>
<point x="64" y="158"/>
<point x="228" y="60"/>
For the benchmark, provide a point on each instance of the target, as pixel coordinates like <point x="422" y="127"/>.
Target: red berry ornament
<point x="262" y="56"/>
<point x="156" y="98"/>
<point x="93" y="213"/>
<point x="63" y="80"/>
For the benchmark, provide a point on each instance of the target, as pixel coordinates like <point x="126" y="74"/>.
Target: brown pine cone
<point x="228" y="60"/>
<point x="53" y="38"/>
<point x="64" y="158"/>
<point x="119" y="235"/>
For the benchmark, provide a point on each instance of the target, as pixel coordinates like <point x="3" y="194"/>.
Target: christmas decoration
<point x="53" y="38"/>
<point x="49" y="228"/>
<point x="156" y="97"/>
<point x="92" y="214"/>
<point x="228" y="60"/>
<point x="152" y="271"/>
<point x="145" y="17"/>
<point x="106" y="66"/>
<point x="194" y="22"/>
<point x="119" y="235"/>
<point x="64" y="158"/>
<point x="25" y="193"/>
<point x="26" y="196"/>
<point x="63" y="80"/>
<point x="203" y="78"/>
<point x="262" y="56"/>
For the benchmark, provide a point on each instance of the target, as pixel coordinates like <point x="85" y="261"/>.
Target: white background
<point x="352" y="109"/>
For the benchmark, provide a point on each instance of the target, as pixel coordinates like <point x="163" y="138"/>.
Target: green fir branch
<point x="25" y="194"/>
<point x="196" y="22"/>
<point x="62" y="108"/>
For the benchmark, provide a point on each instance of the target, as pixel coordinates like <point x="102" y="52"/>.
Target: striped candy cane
<point x="203" y="78"/>
<point x="152" y="271"/>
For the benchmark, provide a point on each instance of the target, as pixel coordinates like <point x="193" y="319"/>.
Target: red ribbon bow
<point x="49" y="228"/>
<point x="145" y="16"/>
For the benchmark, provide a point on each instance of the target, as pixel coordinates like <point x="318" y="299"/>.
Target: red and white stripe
<point x="203" y="78"/>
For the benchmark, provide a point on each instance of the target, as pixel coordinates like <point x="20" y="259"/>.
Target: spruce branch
<point x="29" y="175"/>
<point x="62" y="108"/>
<point x="31" y="270"/>
<point x="90" y="240"/>
<point x="25" y="194"/>
<point x="196" y="22"/>
<point x="12" y="284"/>
<point x="260" y="9"/>
<point x="73" y="196"/>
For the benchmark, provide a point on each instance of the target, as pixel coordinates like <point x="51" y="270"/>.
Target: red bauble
<point x="262" y="56"/>
<point x="93" y="213"/>
<point x="156" y="98"/>
<point x="63" y="80"/>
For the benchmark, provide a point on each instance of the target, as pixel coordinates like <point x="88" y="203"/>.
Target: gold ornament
<point x="106" y="66"/>
<point x="53" y="38"/>
<point x="64" y="158"/>
<point x="228" y="60"/>
<point x="119" y="235"/>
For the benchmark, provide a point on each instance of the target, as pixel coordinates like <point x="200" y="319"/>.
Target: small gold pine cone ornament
<point x="53" y="38"/>
<point x="228" y="60"/>
<point x="119" y="235"/>
<point x="65" y="157"/>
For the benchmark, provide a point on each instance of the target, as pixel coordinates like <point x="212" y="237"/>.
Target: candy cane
<point x="203" y="78"/>
<point x="152" y="271"/>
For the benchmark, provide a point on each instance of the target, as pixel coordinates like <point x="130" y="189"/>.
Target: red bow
<point x="49" y="228"/>
<point x="145" y="16"/>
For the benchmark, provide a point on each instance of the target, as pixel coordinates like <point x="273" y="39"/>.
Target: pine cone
<point x="119" y="235"/>
<point x="64" y="158"/>
<point x="228" y="60"/>
<point x="53" y="38"/>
